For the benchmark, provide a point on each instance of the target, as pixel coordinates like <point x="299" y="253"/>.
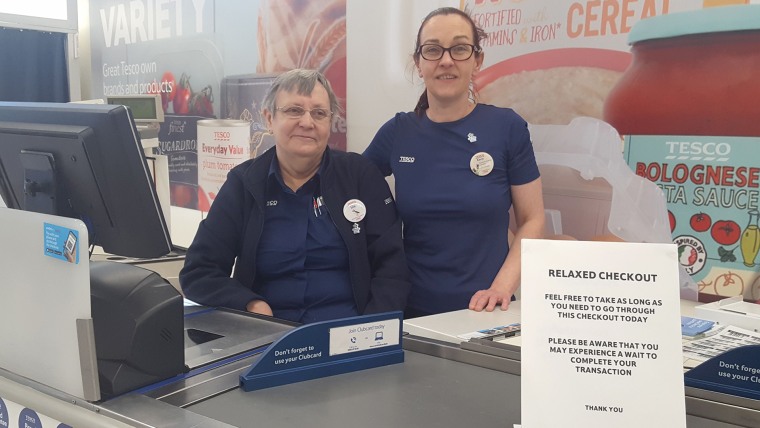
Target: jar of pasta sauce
<point x="689" y="108"/>
<point x="692" y="73"/>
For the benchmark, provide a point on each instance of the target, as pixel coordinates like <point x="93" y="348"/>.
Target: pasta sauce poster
<point x="554" y="60"/>
<point x="712" y="190"/>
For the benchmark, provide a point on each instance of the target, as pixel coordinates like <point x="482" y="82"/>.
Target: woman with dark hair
<point x="308" y="233"/>
<point x="458" y="166"/>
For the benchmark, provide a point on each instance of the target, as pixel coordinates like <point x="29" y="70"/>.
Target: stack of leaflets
<point x="499" y="332"/>
<point x="718" y="340"/>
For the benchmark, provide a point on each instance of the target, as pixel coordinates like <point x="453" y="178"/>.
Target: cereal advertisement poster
<point x="552" y="61"/>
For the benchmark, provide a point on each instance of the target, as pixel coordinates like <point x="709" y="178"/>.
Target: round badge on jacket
<point x="354" y="210"/>
<point x="481" y="164"/>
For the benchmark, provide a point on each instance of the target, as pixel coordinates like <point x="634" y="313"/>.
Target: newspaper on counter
<point x="718" y="341"/>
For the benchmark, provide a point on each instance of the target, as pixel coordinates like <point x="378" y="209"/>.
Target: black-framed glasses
<point x="296" y="112"/>
<point x="460" y="52"/>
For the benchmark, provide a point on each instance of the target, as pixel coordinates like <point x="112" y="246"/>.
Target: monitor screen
<point x="83" y="161"/>
<point x="145" y="108"/>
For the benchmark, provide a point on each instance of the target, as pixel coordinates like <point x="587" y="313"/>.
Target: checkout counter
<point x="443" y="382"/>
<point x="704" y="408"/>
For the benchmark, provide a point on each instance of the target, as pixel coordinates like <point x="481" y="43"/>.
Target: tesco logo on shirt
<point x="406" y="159"/>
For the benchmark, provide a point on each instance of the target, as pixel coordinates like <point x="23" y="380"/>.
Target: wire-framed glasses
<point x="296" y="112"/>
<point x="462" y="52"/>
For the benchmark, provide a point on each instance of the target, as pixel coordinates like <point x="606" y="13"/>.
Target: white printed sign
<point x="360" y="337"/>
<point x="601" y="335"/>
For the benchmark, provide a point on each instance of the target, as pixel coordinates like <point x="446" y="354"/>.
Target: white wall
<point x="380" y="82"/>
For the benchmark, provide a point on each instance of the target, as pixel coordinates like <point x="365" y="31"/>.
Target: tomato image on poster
<point x="700" y="222"/>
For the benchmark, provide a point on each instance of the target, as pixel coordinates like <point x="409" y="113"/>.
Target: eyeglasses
<point x="296" y="112"/>
<point x="457" y="52"/>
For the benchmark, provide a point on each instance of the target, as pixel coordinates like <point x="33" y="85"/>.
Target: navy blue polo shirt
<point x="455" y="218"/>
<point x="302" y="266"/>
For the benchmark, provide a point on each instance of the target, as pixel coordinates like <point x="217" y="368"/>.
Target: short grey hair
<point x="302" y="81"/>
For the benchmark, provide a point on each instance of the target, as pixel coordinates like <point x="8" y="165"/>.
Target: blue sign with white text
<point x="735" y="372"/>
<point x="328" y="348"/>
<point x="61" y="243"/>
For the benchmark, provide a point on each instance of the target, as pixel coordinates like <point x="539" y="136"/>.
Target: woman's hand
<point x="529" y="215"/>
<point x="259" y="307"/>
<point x="489" y="299"/>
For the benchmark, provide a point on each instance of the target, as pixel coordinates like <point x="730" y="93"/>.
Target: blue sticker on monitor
<point x="61" y="243"/>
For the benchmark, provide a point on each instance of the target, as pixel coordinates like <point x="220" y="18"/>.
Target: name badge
<point x="354" y="210"/>
<point x="481" y="164"/>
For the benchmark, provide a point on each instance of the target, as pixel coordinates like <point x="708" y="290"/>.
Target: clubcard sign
<point x="601" y="324"/>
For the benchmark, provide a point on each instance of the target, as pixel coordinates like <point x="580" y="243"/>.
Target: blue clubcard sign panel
<point x="328" y="348"/>
<point x="735" y="372"/>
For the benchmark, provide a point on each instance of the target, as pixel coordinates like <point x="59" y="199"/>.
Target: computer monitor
<point x="83" y="161"/>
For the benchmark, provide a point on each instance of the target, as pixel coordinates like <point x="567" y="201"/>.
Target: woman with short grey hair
<point x="302" y="232"/>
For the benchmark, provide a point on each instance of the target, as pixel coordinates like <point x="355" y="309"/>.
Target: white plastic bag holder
<point x="638" y="211"/>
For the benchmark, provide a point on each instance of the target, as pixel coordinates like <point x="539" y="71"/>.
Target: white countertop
<point x="447" y="326"/>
